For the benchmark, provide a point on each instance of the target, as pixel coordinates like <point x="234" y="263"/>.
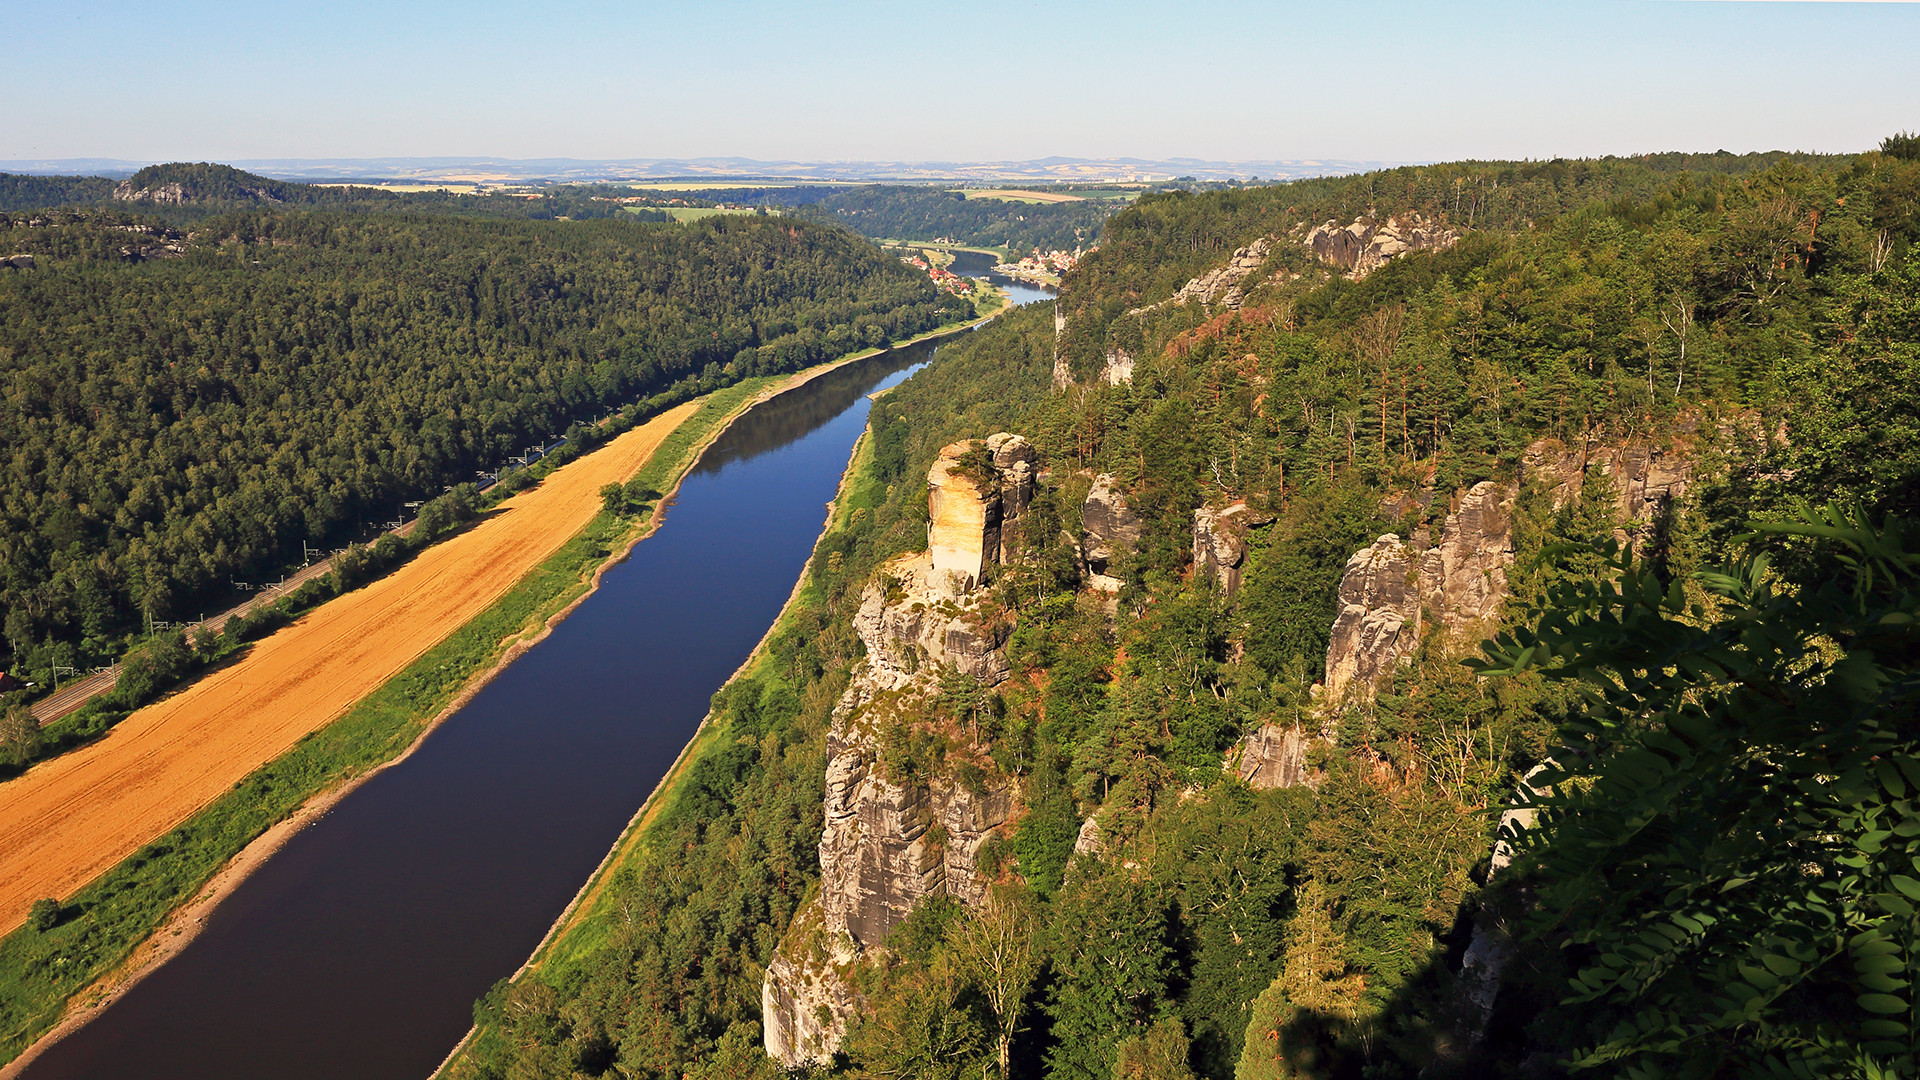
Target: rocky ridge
<point x="892" y="838"/>
<point x="1368" y="243"/>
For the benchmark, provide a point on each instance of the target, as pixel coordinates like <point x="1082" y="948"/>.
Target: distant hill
<point x="182" y="183"/>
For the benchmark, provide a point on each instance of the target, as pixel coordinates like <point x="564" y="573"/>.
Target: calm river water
<point x="972" y="264"/>
<point x="359" y="949"/>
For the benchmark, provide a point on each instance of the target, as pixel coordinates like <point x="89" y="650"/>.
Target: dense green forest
<point x="185" y="408"/>
<point x="182" y="193"/>
<point x="1722" y="882"/>
<point x="924" y="212"/>
<point x="927" y="213"/>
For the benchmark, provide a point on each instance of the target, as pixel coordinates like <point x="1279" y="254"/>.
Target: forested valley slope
<point x="1134" y="719"/>
<point x="197" y="389"/>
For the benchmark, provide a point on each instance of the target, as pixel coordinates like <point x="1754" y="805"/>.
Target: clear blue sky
<point x="962" y="80"/>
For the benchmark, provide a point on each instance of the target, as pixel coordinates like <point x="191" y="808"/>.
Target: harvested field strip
<point x="63" y="824"/>
<point x="98" y="943"/>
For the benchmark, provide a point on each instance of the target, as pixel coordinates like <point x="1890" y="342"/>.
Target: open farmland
<point x="65" y="822"/>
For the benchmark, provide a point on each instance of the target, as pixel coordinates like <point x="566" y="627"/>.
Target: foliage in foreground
<point x="1729" y="849"/>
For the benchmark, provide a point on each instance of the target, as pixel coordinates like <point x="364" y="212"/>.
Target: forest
<point x="187" y="404"/>
<point x="1716" y="719"/>
<point x="927" y="212"/>
<point x="181" y="193"/>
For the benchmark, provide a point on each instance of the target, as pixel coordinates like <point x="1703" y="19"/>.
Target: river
<point x="359" y="948"/>
<point x="973" y="264"/>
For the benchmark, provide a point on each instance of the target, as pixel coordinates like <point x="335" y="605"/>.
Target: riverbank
<point x="106" y="919"/>
<point x="597" y="912"/>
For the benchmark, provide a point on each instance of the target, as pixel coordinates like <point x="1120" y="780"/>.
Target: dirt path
<point x="69" y="820"/>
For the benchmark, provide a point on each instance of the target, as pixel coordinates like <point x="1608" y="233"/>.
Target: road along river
<point x="359" y="948"/>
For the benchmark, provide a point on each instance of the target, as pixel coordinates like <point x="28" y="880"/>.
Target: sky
<point x="983" y="80"/>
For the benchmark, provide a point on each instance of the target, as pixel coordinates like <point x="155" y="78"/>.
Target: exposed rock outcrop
<point x="1223" y="285"/>
<point x="963" y="520"/>
<point x="1379" y="619"/>
<point x="1274" y="757"/>
<point x="893" y="836"/>
<point x="1389" y="588"/>
<point x="179" y="194"/>
<point x="806" y="1002"/>
<point x="1642" y="478"/>
<point x="1220" y="542"/>
<point x="1062" y="372"/>
<point x="1367" y="244"/>
<point x="909" y="623"/>
<point x="1111" y="529"/>
<point x="1118" y="368"/>
<point x="879" y="854"/>
<point x="17" y="262"/>
<point x="967" y="506"/>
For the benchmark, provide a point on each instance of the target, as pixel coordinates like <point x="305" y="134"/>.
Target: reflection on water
<point x="775" y="423"/>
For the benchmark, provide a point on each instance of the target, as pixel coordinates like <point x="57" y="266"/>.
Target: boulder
<point x="18" y="262"/>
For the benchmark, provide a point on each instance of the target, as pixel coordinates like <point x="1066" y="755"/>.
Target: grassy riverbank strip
<point x="596" y="915"/>
<point x="95" y="946"/>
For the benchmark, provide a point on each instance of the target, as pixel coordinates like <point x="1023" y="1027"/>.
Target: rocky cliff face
<point x="1368" y="243"/>
<point x="1389" y="589"/>
<point x="966" y="508"/>
<point x="1110" y="529"/>
<point x="1641" y="478"/>
<point x="890" y="840"/>
<point x="1274" y="757"/>
<point x="1224" y="286"/>
<point x="1220" y="542"/>
<point x="178" y="194"/>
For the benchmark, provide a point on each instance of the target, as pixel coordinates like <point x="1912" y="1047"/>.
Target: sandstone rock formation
<point x="909" y="622"/>
<point x="1220" y="542"/>
<point x="1223" y="285"/>
<point x="1379" y="619"/>
<point x="1367" y="244"/>
<point x="1015" y="458"/>
<point x="966" y="508"/>
<point x="177" y="194"/>
<point x="1641" y="478"/>
<point x="17" y="262"/>
<point x="1389" y="588"/>
<point x="806" y="1002"/>
<point x="1274" y="757"/>
<point x="1118" y="368"/>
<point x="888" y="841"/>
<point x="1062" y="372"/>
<point x="892" y="838"/>
<point x="1111" y="529"/>
<point x="963" y="520"/>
